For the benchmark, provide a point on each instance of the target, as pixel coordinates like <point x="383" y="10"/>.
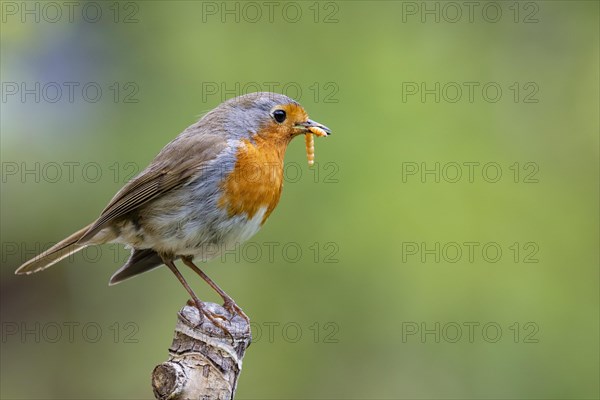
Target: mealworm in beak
<point x="309" y="139"/>
<point x="317" y="131"/>
<point x="310" y="143"/>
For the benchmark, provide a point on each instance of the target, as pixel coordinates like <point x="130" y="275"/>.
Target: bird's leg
<point x="229" y="304"/>
<point x="199" y="305"/>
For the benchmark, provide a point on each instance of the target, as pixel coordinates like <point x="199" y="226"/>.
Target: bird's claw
<point x="212" y="317"/>
<point x="233" y="309"/>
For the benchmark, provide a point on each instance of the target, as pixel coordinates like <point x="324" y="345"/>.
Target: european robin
<point x="210" y="188"/>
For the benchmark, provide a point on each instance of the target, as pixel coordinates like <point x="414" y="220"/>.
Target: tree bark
<point x="204" y="361"/>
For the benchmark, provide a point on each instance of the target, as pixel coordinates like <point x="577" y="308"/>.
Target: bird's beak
<point x="314" y="128"/>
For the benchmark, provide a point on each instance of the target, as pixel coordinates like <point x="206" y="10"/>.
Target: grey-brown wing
<point x="180" y="160"/>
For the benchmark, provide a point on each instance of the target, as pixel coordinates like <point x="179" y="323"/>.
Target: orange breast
<point x="256" y="180"/>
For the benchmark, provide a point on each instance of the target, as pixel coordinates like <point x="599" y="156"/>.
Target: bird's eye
<point x="279" y="115"/>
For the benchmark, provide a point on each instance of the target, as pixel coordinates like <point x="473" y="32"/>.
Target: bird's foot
<point x="233" y="309"/>
<point x="212" y="317"/>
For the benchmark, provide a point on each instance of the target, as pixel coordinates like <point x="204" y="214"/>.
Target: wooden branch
<point x="204" y="362"/>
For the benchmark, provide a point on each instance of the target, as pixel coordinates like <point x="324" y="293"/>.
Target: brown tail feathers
<point x="54" y="254"/>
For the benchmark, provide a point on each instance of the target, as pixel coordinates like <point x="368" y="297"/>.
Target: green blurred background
<point x="371" y="313"/>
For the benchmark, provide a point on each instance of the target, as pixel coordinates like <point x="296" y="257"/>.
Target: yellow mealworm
<point x="310" y="148"/>
<point x="317" y="131"/>
<point x="310" y="143"/>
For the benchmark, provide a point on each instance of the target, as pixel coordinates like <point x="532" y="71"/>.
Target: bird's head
<point x="267" y="115"/>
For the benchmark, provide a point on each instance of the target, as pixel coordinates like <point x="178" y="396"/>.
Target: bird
<point x="210" y="188"/>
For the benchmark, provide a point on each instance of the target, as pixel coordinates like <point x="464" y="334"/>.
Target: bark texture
<point x="204" y="361"/>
